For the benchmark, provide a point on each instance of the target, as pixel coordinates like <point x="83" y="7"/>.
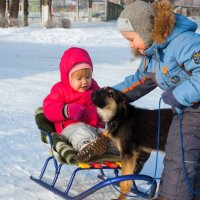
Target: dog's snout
<point x="98" y="98"/>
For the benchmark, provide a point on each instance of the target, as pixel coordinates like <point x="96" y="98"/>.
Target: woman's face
<point x="135" y="41"/>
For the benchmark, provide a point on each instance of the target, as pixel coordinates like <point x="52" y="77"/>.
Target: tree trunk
<point x="106" y="10"/>
<point x="2" y="8"/>
<point x="14" y="9"/>
<point x="8" y="8"/>
<point x="40" y="8"/>
<point x="46" y="12"/>
<point x="90" y="10"/>
<point x="25" y="12"/>
<point x="77" y="10"/>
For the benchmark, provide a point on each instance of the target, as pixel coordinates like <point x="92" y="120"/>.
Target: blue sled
<point x="105" y="181"/>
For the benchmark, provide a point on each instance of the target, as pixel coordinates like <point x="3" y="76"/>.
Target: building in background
<point x="52" y="12"/>
<point x="79" y="10"/>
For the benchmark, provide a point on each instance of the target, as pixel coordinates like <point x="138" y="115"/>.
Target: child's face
<point x="81" y="80"/>
<point x="135" y="41"/>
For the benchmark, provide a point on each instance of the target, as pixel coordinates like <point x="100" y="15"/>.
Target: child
<point x="69" y="105"/>
<point x="170" y="58"/>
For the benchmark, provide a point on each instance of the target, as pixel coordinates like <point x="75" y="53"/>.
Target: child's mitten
<point x="90" y="117"/>
<point x="74" y="110"/>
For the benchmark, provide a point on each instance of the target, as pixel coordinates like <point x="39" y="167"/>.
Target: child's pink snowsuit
<point x="62" y="93"/>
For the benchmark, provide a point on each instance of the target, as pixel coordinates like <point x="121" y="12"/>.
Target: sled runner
<point x="102" y="164"/>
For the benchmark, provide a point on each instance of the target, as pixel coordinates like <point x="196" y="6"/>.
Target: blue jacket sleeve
<point x="137" y="85"/>
<point x="188" y="54"/>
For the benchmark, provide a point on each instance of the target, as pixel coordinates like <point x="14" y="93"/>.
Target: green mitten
<point x="43" y="123"/>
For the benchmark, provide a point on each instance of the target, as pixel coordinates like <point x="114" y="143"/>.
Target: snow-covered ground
<point x="29" y="60"/>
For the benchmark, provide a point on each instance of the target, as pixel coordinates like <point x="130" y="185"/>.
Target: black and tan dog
<point x="133" y="130"/>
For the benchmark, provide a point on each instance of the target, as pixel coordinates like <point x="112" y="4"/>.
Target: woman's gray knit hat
<point x="138" y="17"/>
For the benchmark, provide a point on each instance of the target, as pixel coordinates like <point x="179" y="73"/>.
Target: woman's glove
<point x="169" y="98"/>
<point x="74" y="111"/>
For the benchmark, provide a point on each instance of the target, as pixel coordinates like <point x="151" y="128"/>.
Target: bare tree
<point x="90" y="9"/>
<point x="14" y="9"/>
<point x="47" y="13"/>
<point x="2" y="8"/>
<point x="3" y="20"/>
<point x="25" y="5"/>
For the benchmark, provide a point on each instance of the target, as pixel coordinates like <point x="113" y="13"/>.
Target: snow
<point x="28" y="68"/>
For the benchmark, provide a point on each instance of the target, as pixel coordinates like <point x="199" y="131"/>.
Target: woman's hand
<point x="169" y="98"/>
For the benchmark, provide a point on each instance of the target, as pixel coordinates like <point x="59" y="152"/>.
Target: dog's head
<point x="109" y="103"/>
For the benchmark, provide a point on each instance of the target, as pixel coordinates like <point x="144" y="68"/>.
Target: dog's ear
<point x="115" y="94"/>
<point x="121" y="99"/>
<point x="124" y="99"/>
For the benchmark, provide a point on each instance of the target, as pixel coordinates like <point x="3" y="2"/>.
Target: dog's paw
<point x="105" y="133"/>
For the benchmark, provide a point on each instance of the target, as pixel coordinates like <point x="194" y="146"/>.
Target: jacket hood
<point x="167" y="25"/>
<point x="69" y="59"/>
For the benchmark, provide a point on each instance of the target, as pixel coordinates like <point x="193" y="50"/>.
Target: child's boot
<point x="92" y="149"/>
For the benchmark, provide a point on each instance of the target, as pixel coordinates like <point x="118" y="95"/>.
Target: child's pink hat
<point x="78" y="67"/>
<point x="70" y="61"/>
